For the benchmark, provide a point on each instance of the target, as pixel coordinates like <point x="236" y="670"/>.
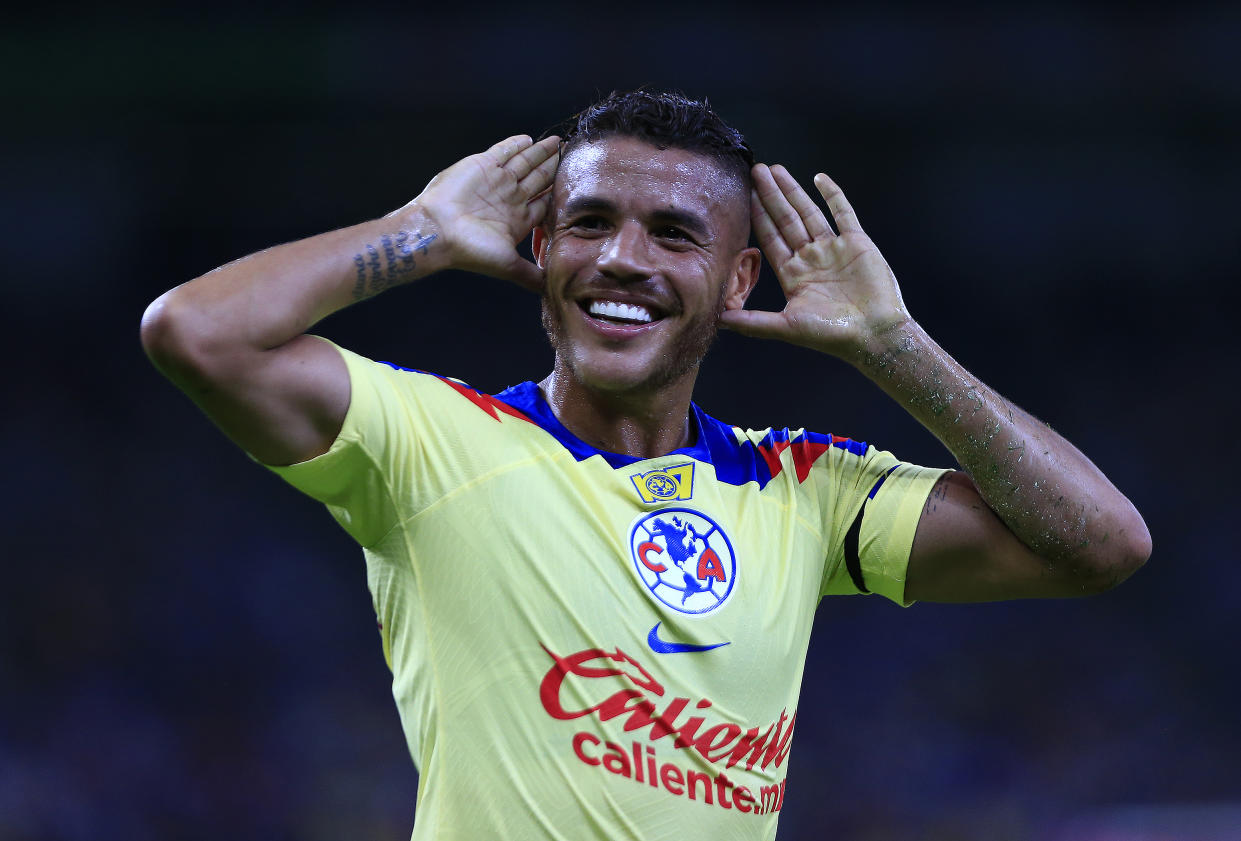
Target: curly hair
<point x="665" y="120"/>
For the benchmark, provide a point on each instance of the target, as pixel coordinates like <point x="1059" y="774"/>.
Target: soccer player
<point x="595" y="598"/>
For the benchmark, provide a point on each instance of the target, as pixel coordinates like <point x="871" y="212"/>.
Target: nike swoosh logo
<point x="661" y="647"/>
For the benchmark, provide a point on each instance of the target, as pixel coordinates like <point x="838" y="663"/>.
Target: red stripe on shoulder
<point x="771" y="455"/>
<point x="805" y="454"/>
<point x="486" y="402"/>
<point x="806" y="449"/>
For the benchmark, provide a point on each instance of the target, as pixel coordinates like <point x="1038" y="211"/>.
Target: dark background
<point x="187" y="648"/>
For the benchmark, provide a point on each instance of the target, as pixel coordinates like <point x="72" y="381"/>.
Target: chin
<point x="633" y="370"/>
<point x="619" y="376"/>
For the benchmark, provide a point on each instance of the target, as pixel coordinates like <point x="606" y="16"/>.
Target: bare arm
<point x="1031" y="516"/>
<point x="234" y="339"/>
<point x="1075" y="533"/>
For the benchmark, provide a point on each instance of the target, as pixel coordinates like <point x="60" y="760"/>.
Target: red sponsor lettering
<point x="578" y="740"/>
<point x="771" y="798"/>
<point x="692" y="778"/>
<point x="670" y="776"/>
<point x="720" y="742"/>
<point x="770" y="747"/>
<point x="717" y="742"/>
<point x="616" y="760"/>
<point x="699" y="786"/>
<point x="722" y="784"/>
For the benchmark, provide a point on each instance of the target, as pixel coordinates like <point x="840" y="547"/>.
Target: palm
<point x="838" y="287"/>
<point x="486" y="203"/>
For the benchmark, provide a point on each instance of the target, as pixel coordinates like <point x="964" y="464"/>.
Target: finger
<point x="769" y="239"/>
<point x="842" y="212"/>
<point x="507" y="148"/>
<point x="526" y="160"/>
<point x="757" y="323"/>
<point x="811" y="216"/>
<point x="525" y="274"/>
<point x="787" y="219"/>
<point x="541" y="177"/>
<point x="536" y="210"/>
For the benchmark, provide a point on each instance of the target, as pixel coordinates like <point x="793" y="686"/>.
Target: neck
<point x="642" y="424"/>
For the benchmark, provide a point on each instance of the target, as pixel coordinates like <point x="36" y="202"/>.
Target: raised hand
<point x="840" y="292"/>
<point x="483" y="205"/>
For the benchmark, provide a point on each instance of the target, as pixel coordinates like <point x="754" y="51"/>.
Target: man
<point x="595" y="599"/>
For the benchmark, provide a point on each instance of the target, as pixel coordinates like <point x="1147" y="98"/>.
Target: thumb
<point x="757" y="323"/>
<point x="525" y="274"/>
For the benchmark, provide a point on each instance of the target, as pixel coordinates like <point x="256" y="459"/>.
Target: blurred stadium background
<point x="186" y="645"/>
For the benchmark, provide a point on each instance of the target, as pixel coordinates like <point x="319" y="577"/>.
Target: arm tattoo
<point x="389" y="264"/>
<point x="938" y="494"/>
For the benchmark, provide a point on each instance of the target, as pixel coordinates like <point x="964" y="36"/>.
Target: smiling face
<point x="643" y="248"/>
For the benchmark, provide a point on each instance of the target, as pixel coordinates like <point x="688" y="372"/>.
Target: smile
<point x="619" y="313"/>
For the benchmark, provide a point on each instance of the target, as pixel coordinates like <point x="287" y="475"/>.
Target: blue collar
<point x="713" y="441"/>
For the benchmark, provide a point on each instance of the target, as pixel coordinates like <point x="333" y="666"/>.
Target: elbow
<point x="155" y="330"/>
<point x="175" y="340"/>
<point x="163" y="331"/>
<point x="1140" y="543"/>
<point x="1138" y="547"/>
<point x="1119" y="554"/>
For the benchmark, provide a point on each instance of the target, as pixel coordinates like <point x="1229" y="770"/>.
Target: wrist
<point x="877" y="348"/>
<point x="417" y="239"/>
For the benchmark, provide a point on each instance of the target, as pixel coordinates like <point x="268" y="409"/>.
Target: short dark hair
<point x="665" y="120"/>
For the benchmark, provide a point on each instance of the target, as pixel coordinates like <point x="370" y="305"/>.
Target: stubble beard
<point x="686" y="353"/>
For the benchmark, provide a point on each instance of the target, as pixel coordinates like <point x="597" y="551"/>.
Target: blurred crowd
<point x="187" y="647"/>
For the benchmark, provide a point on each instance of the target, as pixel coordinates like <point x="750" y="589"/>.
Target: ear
<point x="539" y="242"/>
<point x="744" y="278"/>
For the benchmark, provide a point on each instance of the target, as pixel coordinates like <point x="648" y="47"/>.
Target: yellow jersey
<point x="588" y="645"/>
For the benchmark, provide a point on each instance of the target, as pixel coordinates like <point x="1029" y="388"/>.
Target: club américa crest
<point x="684" y="559"/>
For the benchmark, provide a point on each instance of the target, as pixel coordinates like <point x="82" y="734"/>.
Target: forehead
<point x="631" y="172"/>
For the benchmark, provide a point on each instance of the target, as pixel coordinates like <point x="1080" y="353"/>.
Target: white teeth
<point x="624" y="312"/>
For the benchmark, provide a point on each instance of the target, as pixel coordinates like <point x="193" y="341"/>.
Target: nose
<point x="625" y="255"/>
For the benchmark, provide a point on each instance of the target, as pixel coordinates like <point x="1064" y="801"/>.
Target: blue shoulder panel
<point x="715" y="443"/>
<point x="736" y="462"/>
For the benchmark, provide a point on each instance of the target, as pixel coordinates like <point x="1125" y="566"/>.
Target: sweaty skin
<point x="1031" y="515"/>
<point x="234" y="340"/>
<point x="660" y="229"/>
<point x="656" y="237"/>
<point x="639" y="253"/>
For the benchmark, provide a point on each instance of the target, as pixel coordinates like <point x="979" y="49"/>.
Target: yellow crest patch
<point x="667" y="483"/>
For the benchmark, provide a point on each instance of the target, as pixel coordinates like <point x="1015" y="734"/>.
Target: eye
<point x="671" y="232"/>
<point x="589" y="223"/>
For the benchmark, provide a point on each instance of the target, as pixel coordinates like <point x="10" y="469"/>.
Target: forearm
<point x="1044" y="489"/>
<point x="262" y="301"/>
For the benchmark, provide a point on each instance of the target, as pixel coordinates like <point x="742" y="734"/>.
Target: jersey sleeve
<point x="387" y="462"/>
<point x="872" y="518"/>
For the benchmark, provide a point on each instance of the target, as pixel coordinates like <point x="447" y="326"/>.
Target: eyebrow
<point x="665" y="216"/>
